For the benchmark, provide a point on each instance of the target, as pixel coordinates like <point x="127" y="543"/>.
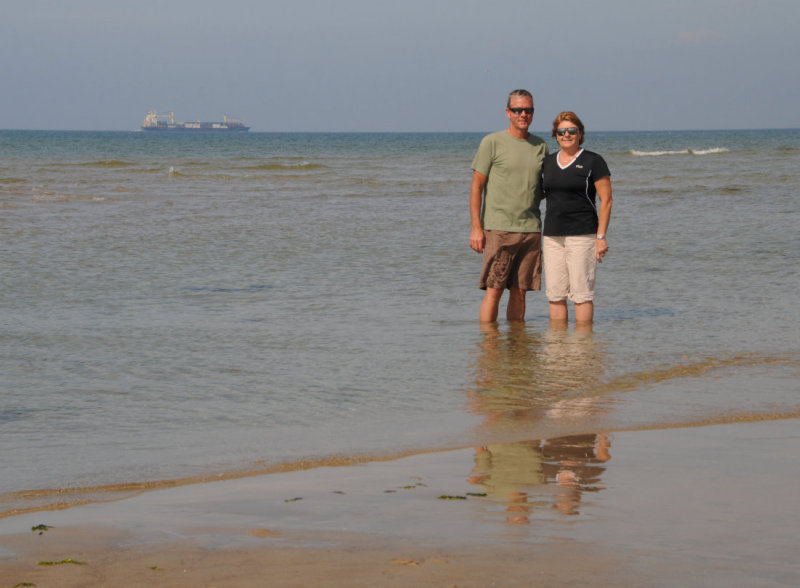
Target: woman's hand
<point x="601" y="248"/>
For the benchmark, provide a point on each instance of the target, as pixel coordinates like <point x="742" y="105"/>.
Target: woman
<point x="574" y="234"/>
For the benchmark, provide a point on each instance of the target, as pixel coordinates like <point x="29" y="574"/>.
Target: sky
<point x="399" y="66"/>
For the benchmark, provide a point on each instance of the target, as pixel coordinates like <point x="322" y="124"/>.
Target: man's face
<point x="522" y="120"/>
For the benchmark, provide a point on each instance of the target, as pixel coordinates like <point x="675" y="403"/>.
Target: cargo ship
<point x="166" y="122"/>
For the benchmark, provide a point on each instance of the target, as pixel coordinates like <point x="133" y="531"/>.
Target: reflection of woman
<point x="575" y="464"/>
<point x="574" y="234"/>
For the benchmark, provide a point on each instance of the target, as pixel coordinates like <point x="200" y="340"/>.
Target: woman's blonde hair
<point x="570" y="116"/>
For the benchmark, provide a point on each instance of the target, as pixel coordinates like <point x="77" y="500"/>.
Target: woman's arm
<point x="603" y="187"/>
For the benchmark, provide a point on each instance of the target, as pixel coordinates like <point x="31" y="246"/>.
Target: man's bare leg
<point x="490" y="305"/>
<point x="516" y="305"/>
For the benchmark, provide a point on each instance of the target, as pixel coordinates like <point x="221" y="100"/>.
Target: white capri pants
<point x="569" y="267"/>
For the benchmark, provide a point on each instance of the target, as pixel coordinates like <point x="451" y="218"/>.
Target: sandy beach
<point x="703" y="506"/>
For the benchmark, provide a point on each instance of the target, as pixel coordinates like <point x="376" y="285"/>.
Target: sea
<point x="187" y="307"/>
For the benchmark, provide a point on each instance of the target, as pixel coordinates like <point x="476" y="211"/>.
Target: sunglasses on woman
<point x="570" y="130"/>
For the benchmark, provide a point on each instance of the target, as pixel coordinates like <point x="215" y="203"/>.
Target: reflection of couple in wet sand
<point x="527" y="378"/>
<point x="510" y="472"/>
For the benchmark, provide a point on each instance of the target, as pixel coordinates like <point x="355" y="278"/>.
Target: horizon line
<point x="251" y="131"/>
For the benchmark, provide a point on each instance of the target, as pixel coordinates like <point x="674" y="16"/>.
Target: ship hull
<point x="197" y="130"/>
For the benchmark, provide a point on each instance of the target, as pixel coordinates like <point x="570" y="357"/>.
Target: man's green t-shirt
<point x="513" y="189"/>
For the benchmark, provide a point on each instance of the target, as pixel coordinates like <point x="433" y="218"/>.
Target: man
<point x="504" y="210"/>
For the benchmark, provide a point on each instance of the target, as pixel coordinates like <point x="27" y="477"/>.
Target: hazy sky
<point x="408" y="65"/>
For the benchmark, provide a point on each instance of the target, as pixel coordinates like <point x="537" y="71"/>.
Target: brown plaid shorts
<point x="512" y="259"/>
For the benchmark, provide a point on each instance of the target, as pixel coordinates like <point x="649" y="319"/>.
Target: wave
<point x="228" y="290"/>
<point x="304" y="165"/>
<point x="106" y="163"/>
<point x="712" y="151"/>
<point x="688" y="151"/>
<point x="46" y="196"/>
<point x="173" y="173"/>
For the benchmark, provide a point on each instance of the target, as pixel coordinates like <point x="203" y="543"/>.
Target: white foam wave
<point x="711" y="151"/>
<point x="689" y="151"/>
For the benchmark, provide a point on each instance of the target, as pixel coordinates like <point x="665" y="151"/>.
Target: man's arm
<point x="477" y="238"/>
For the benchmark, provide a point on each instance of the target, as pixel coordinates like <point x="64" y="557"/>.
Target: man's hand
<point x="477" y="240"/>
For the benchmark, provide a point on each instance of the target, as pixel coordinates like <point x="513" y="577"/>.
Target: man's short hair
<point x="521" y="93"/>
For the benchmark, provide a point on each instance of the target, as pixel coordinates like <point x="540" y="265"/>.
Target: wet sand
<point x="704" y="506"/>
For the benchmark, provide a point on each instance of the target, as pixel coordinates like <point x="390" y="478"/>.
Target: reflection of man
<point x="506" y="371"/>
<point x="504" y="210"/>
<point x="508" y="472"/>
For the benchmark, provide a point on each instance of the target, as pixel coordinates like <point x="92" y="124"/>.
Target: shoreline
<point x="67" y="498"/>
<point x="634" y="508"/>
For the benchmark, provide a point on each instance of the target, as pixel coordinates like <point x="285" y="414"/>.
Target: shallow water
<point x="196" y="304"/>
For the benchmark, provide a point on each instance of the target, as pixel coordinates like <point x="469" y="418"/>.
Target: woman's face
<point x="568" y="140"/>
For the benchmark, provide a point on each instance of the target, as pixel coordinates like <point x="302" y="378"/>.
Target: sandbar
<point x="697" y="506"/>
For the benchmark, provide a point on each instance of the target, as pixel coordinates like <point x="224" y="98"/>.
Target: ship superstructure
<point x="166" y="122"/>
